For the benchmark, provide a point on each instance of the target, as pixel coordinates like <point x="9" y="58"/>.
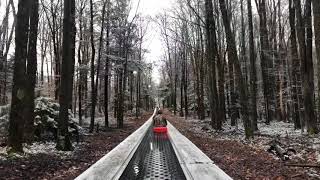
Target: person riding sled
<point x="159" y="123"/>
<point x="159" y="120"/>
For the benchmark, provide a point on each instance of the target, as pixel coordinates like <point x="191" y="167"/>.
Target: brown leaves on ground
<point x="48" y="166"/>
<point x="238" y="159"/>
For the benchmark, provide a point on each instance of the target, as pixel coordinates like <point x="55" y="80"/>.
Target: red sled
<point x="160" y="129"/>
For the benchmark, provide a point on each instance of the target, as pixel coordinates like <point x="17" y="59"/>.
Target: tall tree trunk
<point x="186" y="110"/>
<point x="120" y="99"/>
<point x="93" y="95"/>
<point x="175" y="79"/>
<point x="211" y="57"/>
<point x="182" y="86"/>
<point x="266" y="62"/>
<point x="138" y="104"/>
<point x="243" y="42"/>
<point x="116" y="94"/>
<point x="31" y="71"/>
<point x="233" y="57"/>
<point x="233" y="100"/>
<point x="17" y="119"/>
<point x="296" y="75"/>
<point x="221" y="109"/>
<point x="106" y="77"/>
<point x="80" y="81"/>
<point x="300" y="28"/>
<point x="283" y="68"/>
<point x="308" y="74"/>
<point x="95" y="90"/>
<point x="65" y="96"/>
<point x="316" y="25"/>
<point x="253" y="71"/>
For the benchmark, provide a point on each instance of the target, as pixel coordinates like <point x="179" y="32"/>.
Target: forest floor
<point x="42" y="161"/>
<point x="242" y="159"/>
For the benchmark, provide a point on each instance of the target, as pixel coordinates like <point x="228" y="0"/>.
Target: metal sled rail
<point x="145" y="155"/>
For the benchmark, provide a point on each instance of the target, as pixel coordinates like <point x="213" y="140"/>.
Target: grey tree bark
<point x="233" y="57"/>
<point x="65" y="93"/>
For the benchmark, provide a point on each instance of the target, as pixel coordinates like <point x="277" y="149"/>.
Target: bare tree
<point x="24" y="70"/>
<point x="65" y="96"/>
<point x="233" y="57"/>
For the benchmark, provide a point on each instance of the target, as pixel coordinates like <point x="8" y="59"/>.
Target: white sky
<point x="153" y="39"/>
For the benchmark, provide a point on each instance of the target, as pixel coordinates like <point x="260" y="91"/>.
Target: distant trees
<point x="6" y="36"/>
<point x="66" y="60"/>
<point x="258" y="64"/>
<point x="266" y="62"/>
<point x="53" y="14"/>
<point x="233" y="57"/>
<point x="217" y="62"/>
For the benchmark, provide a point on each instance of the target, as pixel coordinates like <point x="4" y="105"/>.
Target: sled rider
<point x="159" y="120"/>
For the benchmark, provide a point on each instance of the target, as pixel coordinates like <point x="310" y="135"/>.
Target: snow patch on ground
<point x="4" y="110"/>
<point x="48" y="148"/>
<point x="276" y="128"/>
<point x="283" y="131"/>
<point x="307" y="147"/>
<point x="40" y="148"/>
<point x="97" y="120"/>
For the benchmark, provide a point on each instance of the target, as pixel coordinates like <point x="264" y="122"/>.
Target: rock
<point x="46" y="119"/>
<point x="45" y="122"/>
<point x="206" y="128"/>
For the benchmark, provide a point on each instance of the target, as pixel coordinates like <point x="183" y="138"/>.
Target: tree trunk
<point x="296" y="78"/>
<point x="233" y="57"/>
<point x="211" y="56"/>
<point x="106" y="77"/>
<point x="266" y="63"/>
<point x="182" y="86"/>
<point x="80" y="81"/>
<point x="17" y="119"/>
<point x="316" y="25"/>
<point x="93" y="94"/>
<point x="300" y="28"/>
<point x="65" y="96"/>
<point x="31" y="71"/>
<point x="253" y="71"/>
<point x="185" y="75"/>
<point x="308" y="74"/>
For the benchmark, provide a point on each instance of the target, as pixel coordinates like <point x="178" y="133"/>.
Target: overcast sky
<point x="153" y="39"/>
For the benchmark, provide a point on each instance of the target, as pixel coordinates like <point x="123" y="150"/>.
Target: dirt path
<point x="238" y="159"/>
<point x="49" y="166"/>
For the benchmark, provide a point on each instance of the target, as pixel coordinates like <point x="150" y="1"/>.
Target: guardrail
<point x="194" y="163"/>
<point x="112" y="165"/>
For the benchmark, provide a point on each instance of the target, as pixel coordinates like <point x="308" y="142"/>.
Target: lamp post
<point x="135" y="74"/>
<point x="148" y="97"/>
